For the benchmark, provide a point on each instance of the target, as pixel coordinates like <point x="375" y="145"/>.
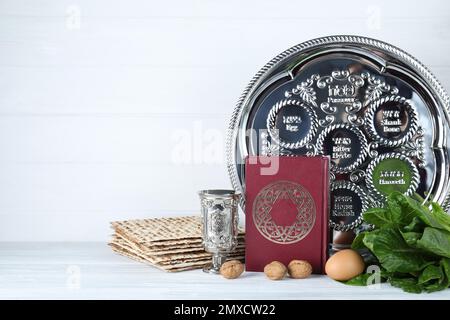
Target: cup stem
<point x="217" y="260"/>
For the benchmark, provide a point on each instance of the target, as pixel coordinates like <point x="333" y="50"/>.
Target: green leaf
<point x="369" y="239"/>
<point x="399" y="211"/>
<point x="445" y="281"/>
<point x="411" y="244"/>
<point x="364" y="279"/>
<point x="435" y="241"/>
<point x="430" y="273"/>
<point x="434" y="278"/>
<point x="379" y="217"/>
<point x="416" y="225"/>
<point x="394" y="254"/>
<point x="436" y="218"/>
<point x="401" y="215"/>
<point x="411" y="237"/>
<point x="387" y="275"/>
<point x="411" y="208"/>
<point x="418" y="198"/>
<point x="394" y="207"/>
<point x="436" y="286"/>
<point x="445" y="264"/>
<point x="407" y="284"/>
<point x="358" y="241"/>
<point x="360" y="280"/>
<point x="442" y="217"/>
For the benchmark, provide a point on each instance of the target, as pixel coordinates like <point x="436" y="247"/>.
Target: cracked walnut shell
<point x="275" y="270"/>
<point x="231" y="269"/>
<point x="299" y="269"/>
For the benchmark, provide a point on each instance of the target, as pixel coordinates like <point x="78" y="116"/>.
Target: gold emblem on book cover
<point x="287" y="224"/>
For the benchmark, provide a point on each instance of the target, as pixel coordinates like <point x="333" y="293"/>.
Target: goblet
<point x="219" y="210"/>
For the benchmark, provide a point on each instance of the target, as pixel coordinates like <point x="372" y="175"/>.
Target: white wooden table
<point x="92" y="271"/>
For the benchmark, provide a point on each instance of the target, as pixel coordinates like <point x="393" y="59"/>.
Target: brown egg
<point x="344" y="265"/>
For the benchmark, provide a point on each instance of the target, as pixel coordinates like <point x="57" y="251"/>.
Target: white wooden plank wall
<point x="98" y="98"/>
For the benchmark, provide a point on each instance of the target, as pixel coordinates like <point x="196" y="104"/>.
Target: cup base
<point x="210" y="268"/>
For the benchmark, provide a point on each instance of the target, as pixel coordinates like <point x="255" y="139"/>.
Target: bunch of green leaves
<point x="411" y="243"/>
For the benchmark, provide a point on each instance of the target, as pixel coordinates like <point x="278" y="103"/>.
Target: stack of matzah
<point x="170" y="244"/>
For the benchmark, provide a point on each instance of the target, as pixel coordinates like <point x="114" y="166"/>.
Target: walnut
<point x="299" y="269"/>
<point x="231" y="269"/>
<point x="275" y="270"/>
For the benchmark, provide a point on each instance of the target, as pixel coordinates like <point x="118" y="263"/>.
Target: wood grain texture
<point x="92" y="271"/>
<point x="97" y="97"/>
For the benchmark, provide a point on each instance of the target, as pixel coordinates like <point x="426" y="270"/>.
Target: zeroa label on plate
<point x="346" y="206"/>
<point x="391" y="121"/>
<point x="392" y="175"/>
<point x="293" y="123"/>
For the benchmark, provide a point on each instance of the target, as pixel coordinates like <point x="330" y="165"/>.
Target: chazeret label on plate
<point x="392" y="172"/>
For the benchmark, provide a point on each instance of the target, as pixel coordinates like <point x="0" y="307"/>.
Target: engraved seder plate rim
<point x="236" y="147"/>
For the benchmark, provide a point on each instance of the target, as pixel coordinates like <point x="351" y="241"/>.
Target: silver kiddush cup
<point x="220" y="225"/>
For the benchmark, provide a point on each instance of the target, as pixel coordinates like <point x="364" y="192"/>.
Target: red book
<point x="286" y="210"/>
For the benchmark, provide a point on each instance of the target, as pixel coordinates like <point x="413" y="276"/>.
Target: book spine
<point x="326" y="208"/>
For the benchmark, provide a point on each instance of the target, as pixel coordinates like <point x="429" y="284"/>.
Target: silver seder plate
<point x="379" y="114"/>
